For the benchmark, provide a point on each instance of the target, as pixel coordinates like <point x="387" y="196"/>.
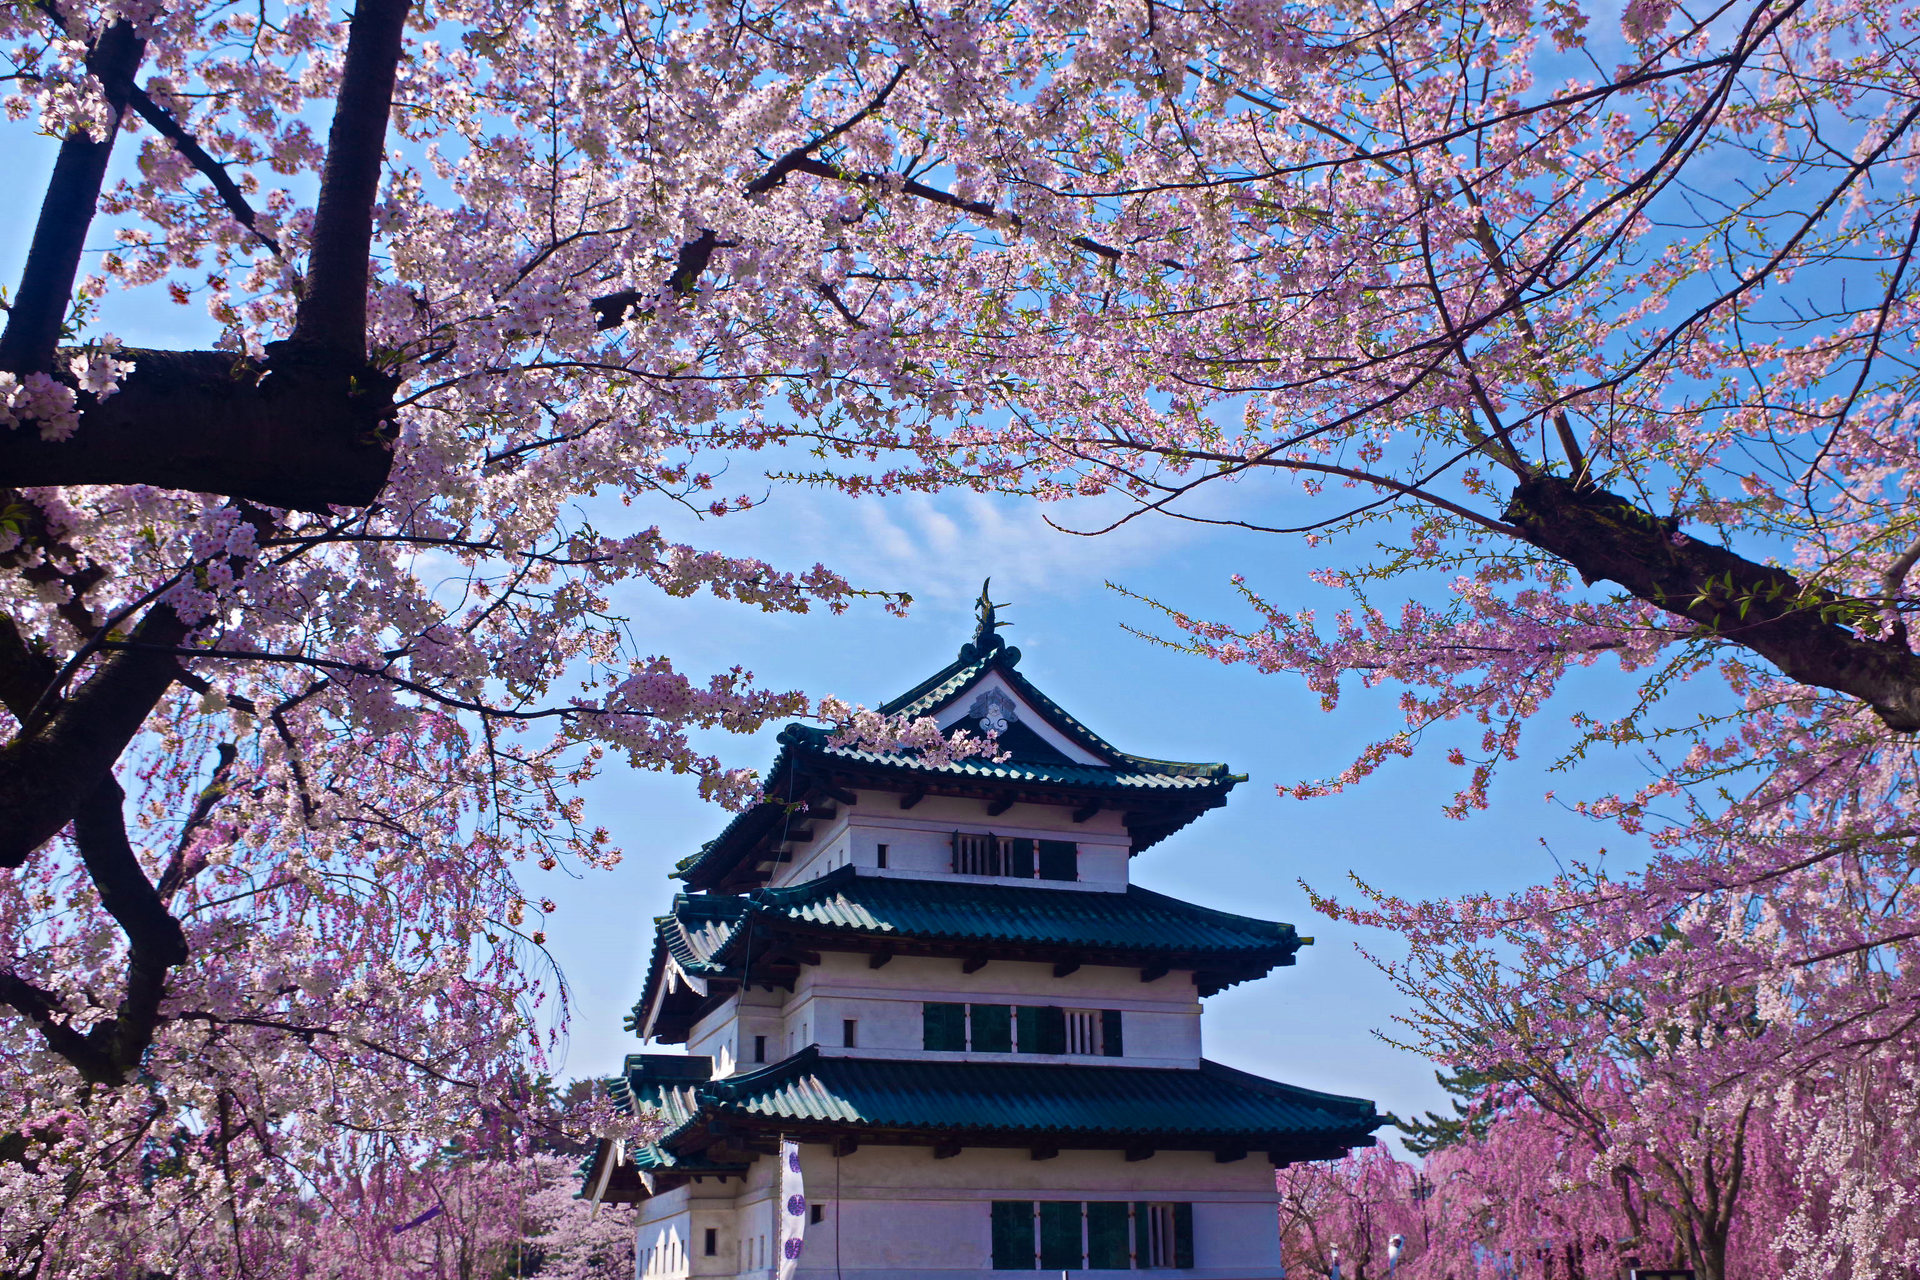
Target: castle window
<point x="849" y="1028"/>
<point x="816" y="1214"/>
<point x="882" y="852"/>
<point x="759" y="1048"/>
<point x="713" y="1241"/>
<point x="998" y="1028"/>
<point x="992" y="1028"/>
<point x="985" y="854"/>
<point x="1163" y="1235"/>
<point x="943" y="1027"/>
<point x="1040" y="1029"/>
<point x="1098" y="1235"/>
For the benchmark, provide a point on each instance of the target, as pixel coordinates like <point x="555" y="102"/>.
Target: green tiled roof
<point x="1211" y="1104"/>
<point x="1136" y="919"/>
<point x="701" y="924"/>
<point x="1135" y="926"/>
<point x="1179" y="790"/>
<point x="1132" y="773"/>
<point x="935" y="693"/>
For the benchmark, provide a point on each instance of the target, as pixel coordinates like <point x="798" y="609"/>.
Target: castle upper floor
<point x="1051" y="785"/>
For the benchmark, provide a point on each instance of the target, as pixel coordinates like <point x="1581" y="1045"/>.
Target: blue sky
<point x="1313" y="1024"/>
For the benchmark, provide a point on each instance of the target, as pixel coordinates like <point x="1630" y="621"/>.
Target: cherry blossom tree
<point x="1346" y="1213"/>
<point x="1599" y="334"/>
<point x="307" y="639"/>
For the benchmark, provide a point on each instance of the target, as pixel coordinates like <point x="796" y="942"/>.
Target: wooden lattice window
<point x="977" y="853"/>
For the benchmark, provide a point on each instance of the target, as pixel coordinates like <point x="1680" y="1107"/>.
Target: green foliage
<point x="1469" y="1120"/>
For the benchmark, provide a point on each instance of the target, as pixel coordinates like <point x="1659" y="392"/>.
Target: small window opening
<point x="849" y="1032"/>
<point x="713" y="1241"/>
<point x="818" y="1215"/>
<point x="759" y="1048"/>
<point x="883" y="857"/>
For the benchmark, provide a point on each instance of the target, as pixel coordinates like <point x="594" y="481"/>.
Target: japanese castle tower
<point x="941" y="981"/>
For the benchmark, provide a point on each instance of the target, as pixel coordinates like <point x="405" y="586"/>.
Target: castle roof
<point x="707" y="937"/>
<point x="1048" y="756"/>
<point x="1046" y="1106"/>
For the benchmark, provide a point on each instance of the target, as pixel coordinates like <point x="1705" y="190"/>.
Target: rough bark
<point x="39" y="307"/>
<point x="297" y="432"/>
<point x="51" y="766"/>
<point x="1796" y="627"/>
<point x="333" y="312"/>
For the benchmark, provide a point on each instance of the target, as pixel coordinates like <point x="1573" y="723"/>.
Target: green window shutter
<point x="1013" y="1235"/>
<point x="1107" y="1236"/>
<point x="1110" y="1043"/>
<point x="1060" y="1236"/>
<point x="1183" y="1235"/>
<point x="1052" y="1026"/>
<point x="1026" y="1020"/>
<point x="992" y="1028"/>
<point x="953" y="848"/>
<point x="1020" y="859"/>
<point x="943" y="1026"/>
<point x="1142" y="1245"/>
<point x="1059" y="860"/>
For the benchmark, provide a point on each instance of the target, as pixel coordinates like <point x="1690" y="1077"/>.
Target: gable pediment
<point x="991" y="704"/>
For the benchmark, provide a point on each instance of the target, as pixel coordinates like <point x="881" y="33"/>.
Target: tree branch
<point x="1792" y="625"/>
<point x="695" y="255"/>
<point x="183" y="866"/>
<point x="332" y="319"/>
<point x="50" y="768"/>
<point x="47" y="1015"/>
<point x="25" y="670"/>
<point x="154" y="938"/>
<point x="73" y="192"/>
<point x="282" y="434"/>
<point x="187" y="145"/>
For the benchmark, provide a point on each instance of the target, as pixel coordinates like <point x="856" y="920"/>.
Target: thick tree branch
<point x="1795" y="627"/>
<point x="110" y="1052"/>
<point x="44" y="1011"/>
<point x="155" y="942"/>
<point x="332" y="319"/>
<point x="53" y="259"/>
<point x="25" y="670"/>
<point x="310" y="428"/>
<point x="50" y="768"/>
<point x="289" y="433"/>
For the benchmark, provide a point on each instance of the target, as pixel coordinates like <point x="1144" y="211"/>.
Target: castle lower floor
<point x="907" y="1214"/>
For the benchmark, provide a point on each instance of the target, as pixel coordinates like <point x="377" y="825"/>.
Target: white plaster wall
<point x="1161" y="1019"/>
<point x="726" y="1035"/>
<point x="660" y="1238"/>
<point x="919" y="840"/>
<point x="898" y="1212"/>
